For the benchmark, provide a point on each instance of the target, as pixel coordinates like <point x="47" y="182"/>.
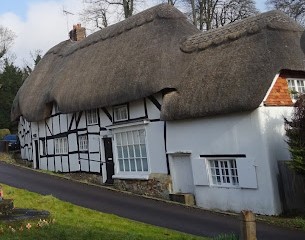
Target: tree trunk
<point x="194" y="12"/>
<point x="128" y="8"/>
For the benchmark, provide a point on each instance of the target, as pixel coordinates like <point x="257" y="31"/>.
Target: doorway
<point x="36" y="154"/>
<point x="109" y="159"/>
<point x="182" y="174"/>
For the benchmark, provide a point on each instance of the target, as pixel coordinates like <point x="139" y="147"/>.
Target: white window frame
<point x="61" y="145"/>
<point x="132" y="152"/>
<point x="43" y="147"/>
<point x="223" y="172"/>
<point x="83" y="142"/>
<point x="296" y="85"/>
<point x="92" y="117"/>
<point x="119" y="112"/>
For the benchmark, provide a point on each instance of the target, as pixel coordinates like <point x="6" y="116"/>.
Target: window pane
<point x="123" y="113"/>
<point x="132" y="165"/>
<point x="126" y="164"/>
<point x="120" y="152"/>
<point x="142" y="136"/>
<point x="124" y="138"/>
<point x="136" y="137"/>
<point x="137" y="150"/>
<point x="125" y="152"/>
<point x="131" y="152"/>
<point x="143" y="150"/>
<point x="218" y="180"/>
<point x="121" y="164"/>
<point x="139" y="164"/>
<point x="130" y="138"/>
<point x="145" y="166"/>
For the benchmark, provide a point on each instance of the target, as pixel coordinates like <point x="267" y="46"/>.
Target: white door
<point x="182" y="174"/>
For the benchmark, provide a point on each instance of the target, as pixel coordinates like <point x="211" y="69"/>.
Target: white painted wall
<point x="155" y="147"/>
<point x="257" y="134"/>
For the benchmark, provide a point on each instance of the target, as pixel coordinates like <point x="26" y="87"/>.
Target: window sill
<point x="228" y="187"/>
<point x="92" y="124"/>
<point x="127" y="124"/>
<point x="131" y="176"/>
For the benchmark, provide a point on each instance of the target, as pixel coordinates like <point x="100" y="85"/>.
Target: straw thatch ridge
<point x="274" y="20"/>
<point x="222" y="71"/>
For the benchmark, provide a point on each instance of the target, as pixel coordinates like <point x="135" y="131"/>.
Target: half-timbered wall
<point x="50" y="136"/>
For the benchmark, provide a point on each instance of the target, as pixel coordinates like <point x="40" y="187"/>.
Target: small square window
<point x="61" y="145"/>
<point x="223" y="172"/>
<point x="120" y="113"/>
<point x="83" y="142"/>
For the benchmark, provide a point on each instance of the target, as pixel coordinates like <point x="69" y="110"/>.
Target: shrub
<point x="295" y="131"/>
<point x="4" y="132"/>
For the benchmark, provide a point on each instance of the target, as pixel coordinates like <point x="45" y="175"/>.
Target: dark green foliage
<point x="295" y="131"/>
<point x="11" y="79"/>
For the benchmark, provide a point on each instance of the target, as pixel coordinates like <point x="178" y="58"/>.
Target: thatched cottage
<point x="154" y="104"/>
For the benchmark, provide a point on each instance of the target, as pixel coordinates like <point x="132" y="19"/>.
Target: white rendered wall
<point x="155" y="147"/>
<point x="248" y="133"/>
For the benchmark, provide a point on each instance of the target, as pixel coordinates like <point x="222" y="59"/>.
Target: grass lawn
<point x="68" y="221"/>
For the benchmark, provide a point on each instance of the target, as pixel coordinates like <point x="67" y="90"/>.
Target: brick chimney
<point x="78" y="33"/>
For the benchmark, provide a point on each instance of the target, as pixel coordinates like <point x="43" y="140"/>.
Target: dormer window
<point x="120" y="113"/>
<point x="296" y="87"/>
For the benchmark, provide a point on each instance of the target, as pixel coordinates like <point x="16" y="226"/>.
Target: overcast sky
<point x="41" y="24"/>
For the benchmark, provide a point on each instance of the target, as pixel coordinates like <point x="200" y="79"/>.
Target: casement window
<point x="296" y="87"/>
<point x="120" y="113"/>
<point x="92" y="117"/>
<point x="223" y="172"/>
<point x="131" y="151"/>
<point x="61" y="145"/>
<point x="83" y="142"/>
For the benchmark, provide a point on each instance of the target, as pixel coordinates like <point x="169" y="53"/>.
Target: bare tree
<point x="293" y="8"/>
<point x="6" y="40"/>
<point x="233" y="10"/>
<point x="208" y="14"/>
<point x="98" y="11"/>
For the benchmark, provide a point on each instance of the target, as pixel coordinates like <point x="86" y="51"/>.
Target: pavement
<point x="160" y="213"/>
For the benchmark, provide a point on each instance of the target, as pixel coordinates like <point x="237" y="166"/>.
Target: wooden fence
<point x="292" y="188"/>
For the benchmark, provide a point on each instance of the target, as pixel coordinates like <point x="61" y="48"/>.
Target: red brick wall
<point x="279" y="94"/>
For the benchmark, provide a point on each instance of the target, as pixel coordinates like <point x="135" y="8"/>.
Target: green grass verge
<point x="68" y="221"/>
<point x="293" y="222"/>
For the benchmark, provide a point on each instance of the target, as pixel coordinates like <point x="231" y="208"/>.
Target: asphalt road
<point x="159" y="213"/>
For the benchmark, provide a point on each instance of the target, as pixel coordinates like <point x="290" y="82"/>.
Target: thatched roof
<point x="221" y="71"/>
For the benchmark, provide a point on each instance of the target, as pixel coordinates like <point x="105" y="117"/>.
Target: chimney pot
<point x="78" y="33"/>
